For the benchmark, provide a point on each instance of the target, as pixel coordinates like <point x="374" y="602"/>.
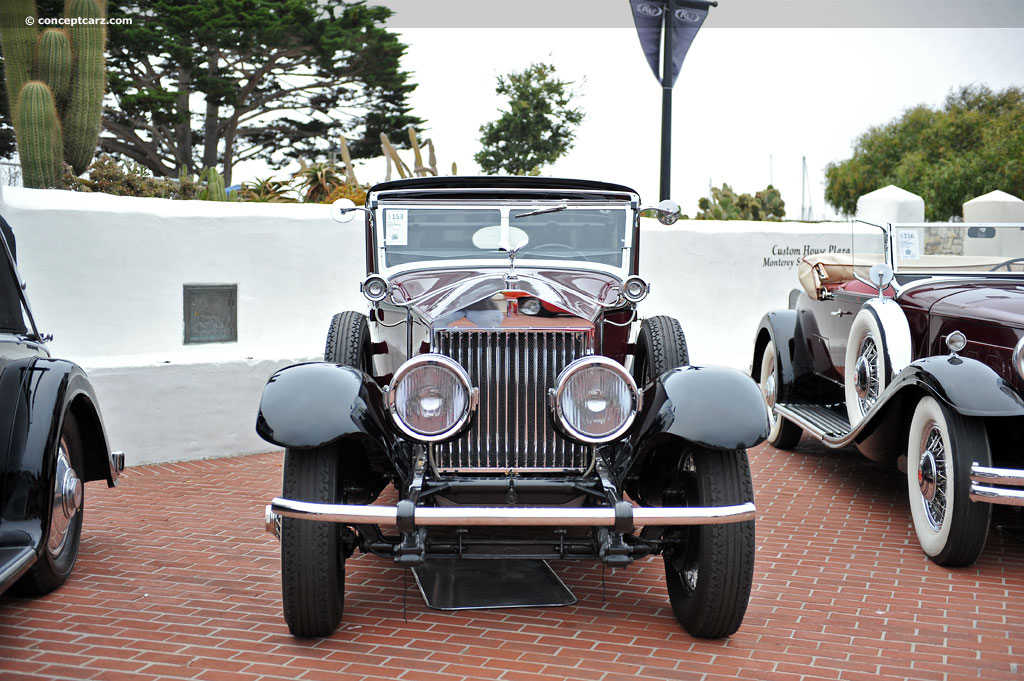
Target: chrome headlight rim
<point x="375" y="288"/>
<point x="463" y="381"/>
<point x="562" y="382"/>
<point x="1018" y="357"/>
<point x="635" y="289"/>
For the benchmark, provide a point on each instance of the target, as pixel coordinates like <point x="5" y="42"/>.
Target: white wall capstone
<point x="105" y="276"/>
<point x="890" y="204"/>
<point x="996" y="206"/>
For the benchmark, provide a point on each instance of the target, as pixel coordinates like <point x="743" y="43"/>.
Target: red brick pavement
<point x="177" y="580"/>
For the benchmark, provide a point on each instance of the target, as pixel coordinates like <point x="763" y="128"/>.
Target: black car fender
<point x="779" y="327"/>
<point x="37" y="393"/>
<point x="316" y="404"/>
<point x="713" y="407"/>
<point x="969" y="387"/>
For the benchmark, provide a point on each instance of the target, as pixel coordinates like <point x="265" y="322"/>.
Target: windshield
<point x="956" y="249"/>
<point x="583" y="234"/>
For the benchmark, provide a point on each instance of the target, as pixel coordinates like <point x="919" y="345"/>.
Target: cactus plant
<point x="725" y="204"/>
<point x="39" y="137"/>
<point x="71" y="66"/>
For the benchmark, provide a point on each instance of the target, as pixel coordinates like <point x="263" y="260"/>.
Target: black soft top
<point x="501" y="186"/>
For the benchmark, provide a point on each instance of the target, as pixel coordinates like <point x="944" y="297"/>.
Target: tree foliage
<point x="538" y="127"/>
<point x="973" y="145"/>
<point x="205" y="83"/>
<point x="725" y="204"/>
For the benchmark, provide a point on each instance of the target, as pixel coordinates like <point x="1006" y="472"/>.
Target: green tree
<point x="211" y="83"/>
<point x="973" y="145"/>
<point x="538" y="127"/>
<point x="725" y="204"/>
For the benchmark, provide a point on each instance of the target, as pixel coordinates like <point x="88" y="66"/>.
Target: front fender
<point x="779" y="327"/>
<point x="35" y="395"/>
<point x="312" y="405"/>
<point x="967" y="385"/>
<point x="712" y="407"/>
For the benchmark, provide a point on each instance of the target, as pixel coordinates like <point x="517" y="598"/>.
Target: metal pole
<point x="666" y="105"/>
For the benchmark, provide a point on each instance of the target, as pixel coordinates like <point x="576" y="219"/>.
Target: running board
<point x="830" y="426"/>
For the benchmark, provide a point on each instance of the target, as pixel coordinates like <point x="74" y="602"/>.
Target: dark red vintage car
<point x="911" y="346"/>
<point x="511" y="437"/>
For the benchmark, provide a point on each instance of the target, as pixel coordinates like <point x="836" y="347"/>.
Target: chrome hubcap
<point x="931" y="477"/>
<point x="865" y="374"/>
<point x="67" y="501"/>
<point x="769" y="391"/>
<point x="926" y="475"/>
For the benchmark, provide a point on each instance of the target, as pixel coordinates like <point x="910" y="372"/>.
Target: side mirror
<point x="344" y="210"/>
<point x="667" y="212"/>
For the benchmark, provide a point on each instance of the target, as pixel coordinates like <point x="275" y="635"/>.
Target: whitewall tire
<point x="867" y="372"/>
<point x="783" y="434"/>
<point x="940" y="449"/>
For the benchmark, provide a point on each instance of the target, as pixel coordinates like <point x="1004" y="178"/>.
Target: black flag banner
<point x="685" y="18"/>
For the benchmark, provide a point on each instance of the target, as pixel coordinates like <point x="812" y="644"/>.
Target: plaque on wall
<point x="211" y="313"/>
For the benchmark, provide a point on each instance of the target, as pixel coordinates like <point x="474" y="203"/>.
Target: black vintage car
<point x="507" y="434"/>
<point x="910" y="345"/>
<point x="52" y="442"/>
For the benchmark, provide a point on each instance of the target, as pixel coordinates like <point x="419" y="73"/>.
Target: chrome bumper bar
<point x="983" y="478"/>
<point x="508" y="516"/>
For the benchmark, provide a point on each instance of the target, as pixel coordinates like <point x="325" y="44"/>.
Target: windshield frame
<point x="505" y="206"/>
<point x="893" y="244"/>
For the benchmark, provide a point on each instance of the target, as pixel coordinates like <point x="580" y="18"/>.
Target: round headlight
<point x="956" y="341"/>
<point x="375" y="288"/>
<point x="430" y="398"/>
<point x="595" y="399"/>
<point x="635" y="289"/>
<point x="1018" y="357"/>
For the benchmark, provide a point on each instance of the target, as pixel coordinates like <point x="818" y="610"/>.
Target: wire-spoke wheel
<point x="941" y="447"/>
<point x="783" y="434"/>
<point x="866" y="366"/>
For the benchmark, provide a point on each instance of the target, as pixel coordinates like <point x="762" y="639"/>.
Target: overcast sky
<point x="749" y="102"/>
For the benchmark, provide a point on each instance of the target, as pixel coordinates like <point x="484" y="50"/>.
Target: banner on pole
<point x="685" y="18"/>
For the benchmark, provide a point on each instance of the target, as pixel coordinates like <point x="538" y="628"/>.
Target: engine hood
<point x="435" y="295"/>
<point x="983" y="301"/>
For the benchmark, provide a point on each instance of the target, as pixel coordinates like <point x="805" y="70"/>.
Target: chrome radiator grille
<point x="512" y="427"/>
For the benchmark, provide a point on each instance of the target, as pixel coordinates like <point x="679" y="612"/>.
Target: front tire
<point x="866" y="368"/>
<point x="348" y="342"/>
<point x="783" y="434"/>
<point x="941" y="448"/>
<point x="312" y="553"/>
<point x="660" y="346"/>
<point x="67" y="507"/>
<point x="709" y="569"/>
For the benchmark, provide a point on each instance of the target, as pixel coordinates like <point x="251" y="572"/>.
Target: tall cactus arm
<point x="18" y="41"/>
<point x="84" y="115"/>
<point x="38" y="136"/>
<point x="53" y="62"/>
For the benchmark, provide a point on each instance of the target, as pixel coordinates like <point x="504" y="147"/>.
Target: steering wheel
<point x="1006" y="264"/>
<point x="563" y="247"/>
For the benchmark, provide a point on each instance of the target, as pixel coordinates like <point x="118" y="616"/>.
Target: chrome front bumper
<point x="983" y="479"/>
<point x="507" y="516"/>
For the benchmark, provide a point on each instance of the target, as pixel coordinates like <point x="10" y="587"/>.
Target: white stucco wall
<point x="105" y="276"/>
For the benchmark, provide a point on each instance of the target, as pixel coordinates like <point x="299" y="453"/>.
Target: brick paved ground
<point x="177" y="580"/>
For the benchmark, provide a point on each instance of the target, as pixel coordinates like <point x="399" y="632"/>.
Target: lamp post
<point x="668" y="27"/>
